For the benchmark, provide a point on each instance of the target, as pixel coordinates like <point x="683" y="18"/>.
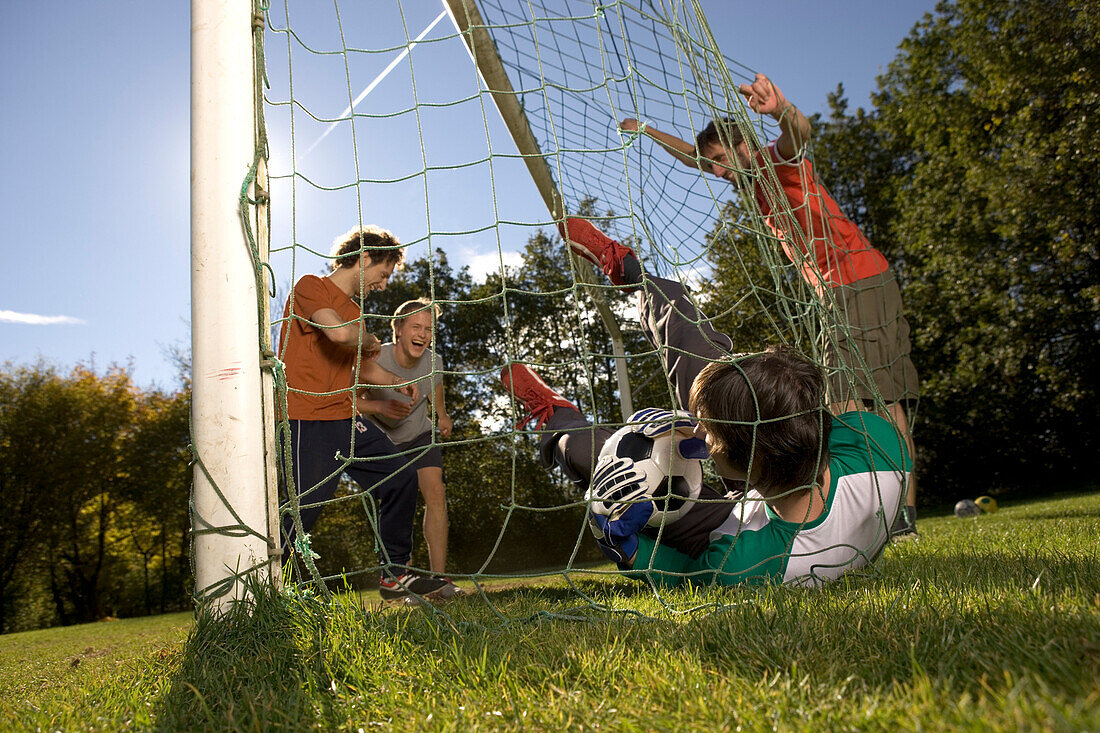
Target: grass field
<point x="990" y="623"/>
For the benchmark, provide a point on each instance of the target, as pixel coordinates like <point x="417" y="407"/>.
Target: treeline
<point x="94" y="483"/>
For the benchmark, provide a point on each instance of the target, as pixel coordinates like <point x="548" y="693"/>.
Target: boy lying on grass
<point x="821" y="491"/>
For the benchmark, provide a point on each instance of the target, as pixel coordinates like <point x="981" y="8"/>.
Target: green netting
<point x="368" y="125"/>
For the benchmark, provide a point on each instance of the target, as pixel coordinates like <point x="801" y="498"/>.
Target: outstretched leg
<point x="682" y="335"/>
<point x="569" y="440"/>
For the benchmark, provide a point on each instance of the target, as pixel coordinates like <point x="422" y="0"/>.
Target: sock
<point x="632" y="270"/>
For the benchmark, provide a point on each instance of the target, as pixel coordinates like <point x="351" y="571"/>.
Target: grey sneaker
<point x="450" y="590"/>
<point x="905" y="527"/>
<point x="410" y="583"/>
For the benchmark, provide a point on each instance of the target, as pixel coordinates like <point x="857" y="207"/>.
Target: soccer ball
<point x="967" y="508"/>
<point x="987" y="504"/>
<point x="672" y="482"/>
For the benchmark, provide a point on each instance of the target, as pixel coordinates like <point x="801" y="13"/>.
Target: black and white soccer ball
<point x="671" y="481"/>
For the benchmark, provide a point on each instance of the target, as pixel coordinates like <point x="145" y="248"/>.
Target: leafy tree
<point x="28" y="399"/>
<point x="94" y="479"/>
<point x="156" y="482"/>
<point x="754" y="293"/>
<point x="976" y="174"/>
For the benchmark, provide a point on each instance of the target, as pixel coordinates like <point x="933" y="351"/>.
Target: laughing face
<point x="373" y="276"/>
<point x="414" y="334"/>
<point x="727" y="164"/>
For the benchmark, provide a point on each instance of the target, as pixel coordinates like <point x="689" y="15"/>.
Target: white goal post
<point x="234" y="497"/>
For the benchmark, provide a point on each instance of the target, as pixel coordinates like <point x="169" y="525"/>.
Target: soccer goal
<point x="471" y="132"/>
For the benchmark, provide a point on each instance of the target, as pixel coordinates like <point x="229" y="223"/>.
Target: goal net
<point x="470" y="130"/>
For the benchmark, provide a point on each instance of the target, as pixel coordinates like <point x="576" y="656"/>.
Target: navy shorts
<point x="415" y="452"/>
<point x="314" y="445"/>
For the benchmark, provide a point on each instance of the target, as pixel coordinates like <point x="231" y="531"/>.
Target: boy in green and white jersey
<point x="866" y="472"/>
<point x="822" y="491"/>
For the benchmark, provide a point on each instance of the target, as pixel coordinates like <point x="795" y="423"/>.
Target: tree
<point x="754" y="294"/>
<point x="976" y="175"/>
<point x="155" y="484"/>
<point x="94" y="480"/>
<point x="28" y="399"/>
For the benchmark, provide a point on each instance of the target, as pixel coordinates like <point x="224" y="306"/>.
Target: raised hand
<point x="764" y="97"/>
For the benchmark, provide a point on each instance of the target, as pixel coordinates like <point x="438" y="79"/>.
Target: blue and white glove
<point x="654" y="423"/>
<point x="617" y="508"/>
<point x="618" y="538"/>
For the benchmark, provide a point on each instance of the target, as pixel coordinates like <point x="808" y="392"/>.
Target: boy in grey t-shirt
<point x="409" y="424"/>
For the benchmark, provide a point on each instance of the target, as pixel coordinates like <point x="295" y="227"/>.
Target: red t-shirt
<point x="313" y="362"/>
<point x="841" y="254"/>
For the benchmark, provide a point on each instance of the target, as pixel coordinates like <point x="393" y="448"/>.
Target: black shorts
<point x="415" y="452"/>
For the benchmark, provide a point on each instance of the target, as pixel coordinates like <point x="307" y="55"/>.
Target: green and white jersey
<point x="869" y="467"/>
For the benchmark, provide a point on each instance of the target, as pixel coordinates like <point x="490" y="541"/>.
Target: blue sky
<point x="95" y="154"/>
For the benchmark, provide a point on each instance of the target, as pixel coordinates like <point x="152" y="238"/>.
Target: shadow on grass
<point x="245" y="670"/>
<point x="958" y="619"/>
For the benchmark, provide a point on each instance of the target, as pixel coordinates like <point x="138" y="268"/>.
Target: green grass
<point x="985" y="624"/>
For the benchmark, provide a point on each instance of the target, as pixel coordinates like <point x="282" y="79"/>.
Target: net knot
<point x="302" y="547"/>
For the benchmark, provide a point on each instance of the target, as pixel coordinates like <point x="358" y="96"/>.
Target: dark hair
<point x="408" y="308"/>
<point x="766" y="411"/>
<point x="722" y="132"/>
<point x="379" y="244"/>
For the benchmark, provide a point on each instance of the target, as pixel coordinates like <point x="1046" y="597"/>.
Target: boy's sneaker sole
<point x="410" y="585"/>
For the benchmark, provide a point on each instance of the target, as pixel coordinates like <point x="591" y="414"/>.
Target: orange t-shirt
<point x="841" y="254"/>
<point x="314" y="363"/>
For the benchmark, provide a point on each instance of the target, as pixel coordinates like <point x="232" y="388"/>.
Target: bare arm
<point x="445" y="424"/>
<point x="681" y="150"/>
<point x="393" y="409"/>
<point x="348" y="335"/>
<point x="372" y="374"/>
<point x="764" y="97"/>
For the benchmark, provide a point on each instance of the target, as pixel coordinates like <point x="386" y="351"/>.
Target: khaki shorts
<point x="868" y="354"/>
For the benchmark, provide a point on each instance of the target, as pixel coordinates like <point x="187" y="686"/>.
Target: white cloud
<point x="483" y="264"/>
<point x="33" y="319"/>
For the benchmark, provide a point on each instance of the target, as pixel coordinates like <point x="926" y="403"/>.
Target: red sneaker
<point x="601" y="250"/>
<point x="536" y="395"/>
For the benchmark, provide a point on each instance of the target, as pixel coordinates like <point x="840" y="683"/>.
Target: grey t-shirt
<point x="427" y="372"/>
